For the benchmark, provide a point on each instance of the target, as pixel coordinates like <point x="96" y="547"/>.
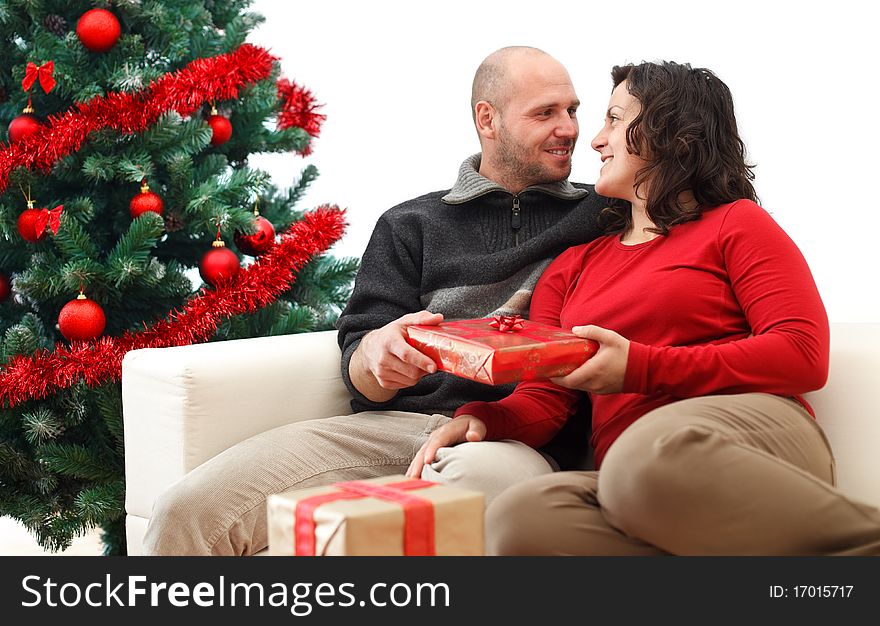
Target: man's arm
<point x="376" y="360"/>
<point x="364" y="381"/>
<point x="384" y="362"/>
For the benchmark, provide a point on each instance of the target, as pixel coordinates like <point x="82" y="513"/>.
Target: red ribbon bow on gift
<point x="507" y="323"/>
<point x="43" y="73"/>
<point x="52" y="219"/>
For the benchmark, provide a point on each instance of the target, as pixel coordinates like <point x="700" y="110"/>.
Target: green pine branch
<point x="108" y="399"/>
<point x="41" y="425"/>
<point x="14" y="464"/>
<point x="134" y="164"/>
<point x="99" y="167"/>
<point x="100" y="505"/>
<point x="72" y="406"/>
<point x="79" y="272"/>
<point x="77" y="461"/>
<point x="298" y="319"/>
<point x="306" y="177"/>
<point x="73" y="241"/>
<point x="325" y="282"/>
<point x="24" y="338"/>
<point x="57" y="532"/>
<point x="80" y="208"/>
<point x="129" y="260"/>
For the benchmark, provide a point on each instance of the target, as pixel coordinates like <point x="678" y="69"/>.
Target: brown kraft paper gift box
<point x="332" y="521"/>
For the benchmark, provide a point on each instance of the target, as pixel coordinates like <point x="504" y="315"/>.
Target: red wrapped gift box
<point x="476" y="350"/>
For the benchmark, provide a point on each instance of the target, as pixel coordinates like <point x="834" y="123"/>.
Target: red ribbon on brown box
<point x="418" y="514"/>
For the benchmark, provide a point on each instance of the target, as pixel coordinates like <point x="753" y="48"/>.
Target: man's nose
<point x="567" y="127"/>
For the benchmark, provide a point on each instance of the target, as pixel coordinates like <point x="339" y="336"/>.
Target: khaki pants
<point x="748" y="474"/>
<point x="220" y="507"/>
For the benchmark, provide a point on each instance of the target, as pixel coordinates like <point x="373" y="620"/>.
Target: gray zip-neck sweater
<point x="467" y="252"/>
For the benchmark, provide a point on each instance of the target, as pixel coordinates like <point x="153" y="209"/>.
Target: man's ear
<point x="485" y="117"/>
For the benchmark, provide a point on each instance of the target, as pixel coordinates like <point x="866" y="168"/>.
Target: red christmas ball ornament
<point x="81" y="319"/>
<point x="27" y="224"/>
<point x="219" y="264"/>
<point x="145" y="201"/>
<point x="221" y="128"/>
<point x="98" y="30"/>
<point x="5" y="288"/>
<point x="260" y="241"/>
<point x="32" y="222"/>
<point x="23" y="126"/>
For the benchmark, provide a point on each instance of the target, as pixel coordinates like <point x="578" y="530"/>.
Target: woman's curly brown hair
<point x="687" y="134"/>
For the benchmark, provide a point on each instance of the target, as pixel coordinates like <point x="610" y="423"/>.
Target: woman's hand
<point x="463" y="428"/>
<point x="604" y="371"/>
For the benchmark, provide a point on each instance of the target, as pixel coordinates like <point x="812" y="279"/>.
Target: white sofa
<point x="183" y="405"/>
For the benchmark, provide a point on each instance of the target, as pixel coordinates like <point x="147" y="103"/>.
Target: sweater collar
<point x="471" y="184"/>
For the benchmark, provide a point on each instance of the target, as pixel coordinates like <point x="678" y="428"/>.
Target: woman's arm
<point x="788" y="350"/>
<point x="536" y="410"/>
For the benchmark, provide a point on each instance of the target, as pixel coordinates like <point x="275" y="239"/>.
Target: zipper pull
<point x="515" y="220"/>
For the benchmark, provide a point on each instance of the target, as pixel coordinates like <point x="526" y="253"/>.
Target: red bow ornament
<point x="50" y="218"/>
<point x="507" y="323"/>
<point x="43" y="73"/>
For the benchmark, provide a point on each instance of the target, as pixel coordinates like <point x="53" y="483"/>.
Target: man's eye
<point x="572" y="111"/>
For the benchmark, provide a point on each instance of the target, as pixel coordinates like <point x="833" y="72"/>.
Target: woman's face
<point x="619" y="167"/>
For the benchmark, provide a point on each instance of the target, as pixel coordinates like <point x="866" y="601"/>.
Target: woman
<point x="709" y="325"/>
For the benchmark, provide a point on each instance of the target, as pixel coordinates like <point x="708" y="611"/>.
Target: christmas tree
<point x="125" y="131"/>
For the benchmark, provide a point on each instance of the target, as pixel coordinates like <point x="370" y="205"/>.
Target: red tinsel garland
<point x="46" y="372"/>
<point x="203" y="80"/>
<point x="298" y="108"/>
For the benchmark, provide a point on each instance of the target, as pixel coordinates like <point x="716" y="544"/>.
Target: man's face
<point x="537" y="126"/>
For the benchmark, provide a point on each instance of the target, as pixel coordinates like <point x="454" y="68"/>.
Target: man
<point x="471" y="251"/>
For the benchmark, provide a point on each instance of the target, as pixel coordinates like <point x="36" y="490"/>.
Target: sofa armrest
<point x="846" y="408"/>
<point x="183" y="405"/>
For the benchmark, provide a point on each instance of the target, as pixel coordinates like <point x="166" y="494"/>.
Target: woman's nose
<point x="599" y="141"/>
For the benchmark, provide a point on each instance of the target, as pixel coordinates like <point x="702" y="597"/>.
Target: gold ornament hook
<point x="27" y="196"/>
<point x="218" y="242"/>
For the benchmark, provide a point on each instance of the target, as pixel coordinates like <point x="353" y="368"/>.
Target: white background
<point x="395" y="79"/>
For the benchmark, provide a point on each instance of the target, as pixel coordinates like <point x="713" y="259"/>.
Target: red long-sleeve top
<point x="725" y="304"/>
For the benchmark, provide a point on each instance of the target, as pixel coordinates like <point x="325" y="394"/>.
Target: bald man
<point x="468" y="252"/>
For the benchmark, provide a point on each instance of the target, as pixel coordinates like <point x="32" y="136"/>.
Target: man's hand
<point x="384" y="362"/>
<point x="604" y="372"/>
<point x="463" y="428"/>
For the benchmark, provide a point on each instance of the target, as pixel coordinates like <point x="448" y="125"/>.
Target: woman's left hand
<point x="462" y="429"/>
<point x="604" y="371"/>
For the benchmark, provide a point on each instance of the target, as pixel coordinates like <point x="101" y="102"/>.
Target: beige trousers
<point x="220" y="507"/>
<point x="748" y="474"/>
